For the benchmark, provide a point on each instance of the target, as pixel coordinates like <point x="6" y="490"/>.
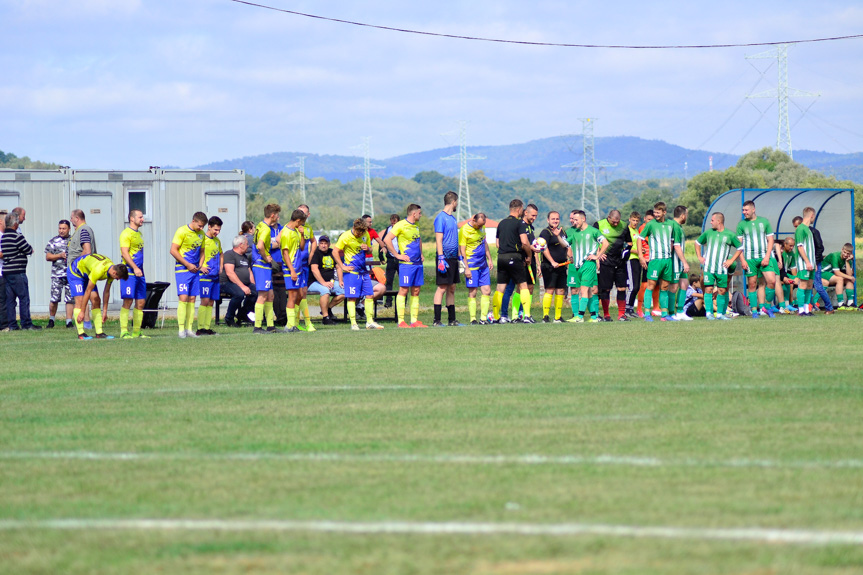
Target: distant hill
<point x="541" y="160"/>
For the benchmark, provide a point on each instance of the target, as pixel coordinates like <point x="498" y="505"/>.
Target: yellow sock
<point x="400" y="307"/>
<point x="525" y="302"/>
<point x="96" y="316"/>
<point x="558" y="306"/>
<point x="124" y="320"/>
<point x="370" y="310"/>
<point x="190" y="315"/>
<point x="304" y="309"/>
<point x="546" y="303"/>
<point x="137" y="320"/>
<point x="181" y="315"/>
<point x="292" y="316"/>
<point x="352" y="311"/>
<point x="259" y="314"/>
<point x="79" y="326"/>
<point x="415" y="308"/>
<point x="497" y="302"/>
<point x="483" y="306"/>
<point x="269" y="314"/>
<point x="205" y="313"/>
<point x="471" y="308"/>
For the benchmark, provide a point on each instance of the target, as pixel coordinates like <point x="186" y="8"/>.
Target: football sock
<point x="593" y="305"/>
<point x="415" y="308"/>
<point x="78" y="326"/>
<point x="546" y="303"/>
<point x="801" y="300"/>
<point x="304" y="309"/>
<point x="269" y="314"/>
<point x="604" y="303"/>
<point x="582" y="306"/>
<point x="51" y="317"/>
<point x="515" y="304"/>
<point x="400" y="308"/>
<point x="370" y="314"/>
<point x="708" y="302"/>
<point x="681" y="298"/>
<point x="558" y="306"/>
<point x="352" y="311"/>
<point x="483" y="306"/>
<point x="181" y="315"/>
<point x="437" y="311"/>
<point x="722" y="303"/>
<point x="96" y="316"/>
<point x="526" y="301"/>
<point x="137" y="320"/>
<point x="663" y="302"/>
<point x="450" y="313"/>
<point x="124" y="320"/>
<point x="497" y="300"/>
<point x="471" y="308"/>
<point x="190" y="315"/>
<point x="770" y="295"/>
<point x="204" y="315"/>
<point x="573" y="304"/>
<point x="648" y="297"/>
<point x="291" y="313"/>
<point x="849" y="297"/>
<point x="621" y="306"/>
<point x="259" y="314"/>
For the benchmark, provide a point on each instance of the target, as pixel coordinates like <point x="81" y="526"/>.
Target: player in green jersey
<point x="805" y="262"/>
<point x="716" y="259"/>
<point x="758" y="263"/>
<point x="837" y="271"/>
<point x="586" y="250"/>
<point x="787" y="254"/>
<point x="680" y="281"/>
<point x="660" y="271"/>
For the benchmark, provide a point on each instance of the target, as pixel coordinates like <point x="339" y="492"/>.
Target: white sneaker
<point x="190" y="333"/>
<point x="683" y="317"/>
<point x="182" y="334"/>
<point x="374" y="325"/>
<point x="355" y="327"/>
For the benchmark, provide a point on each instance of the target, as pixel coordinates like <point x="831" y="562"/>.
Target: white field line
<point x="755" y="534"/>
<point x="443" y="459"/>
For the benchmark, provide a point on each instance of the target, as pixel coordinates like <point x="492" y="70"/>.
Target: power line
<point x="552" y="44"/>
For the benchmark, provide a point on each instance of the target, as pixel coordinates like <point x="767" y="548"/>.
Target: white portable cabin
<point x="168" y="199"/>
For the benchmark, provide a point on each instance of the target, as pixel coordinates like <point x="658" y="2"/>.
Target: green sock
<point x="708" y="302"/>
<point x="801" y="299"/>
<point x="770" y="295"/>
<point x="573" y="304"/>
<point x="593" y="304"/>
<point x="582" y="305"/>
<point x="648" y="299"/>
<point x="515" y="303"/>
<point x="753" y="301"/>
<point x="849" y="296"/>
<point x="681" y="298"/>
<point x="663" y="302"/>
<point x="722" y="303"/>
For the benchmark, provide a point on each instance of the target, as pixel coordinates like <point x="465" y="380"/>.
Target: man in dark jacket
<point x="16" y="250"/>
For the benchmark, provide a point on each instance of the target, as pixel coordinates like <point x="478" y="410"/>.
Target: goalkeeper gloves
<point x="442" y="265"/>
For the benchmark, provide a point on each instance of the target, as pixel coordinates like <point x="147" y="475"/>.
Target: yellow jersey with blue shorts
<point x="291" y="240"/>
<point x="190" y="248"/>
<point x="212" y="248"/>
<point x="134" y="287"/>
<point x="262" y="270"/>
<point x="87" y="268"/>
<point x="358" y="284"/>
<point x="474" y="244"/>
<point x="408" y="236"/>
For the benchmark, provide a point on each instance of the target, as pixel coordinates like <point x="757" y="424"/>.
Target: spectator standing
<point x="324" y="282"/>
<point x="247" y="229"/>
<point x="16" y="250"/>
<point x="392" y="263"/>
<point x="819" y="257"/>
<point x="237" y="282"/>
<point x="4" y="323"/>
<point x="55" y="252"/>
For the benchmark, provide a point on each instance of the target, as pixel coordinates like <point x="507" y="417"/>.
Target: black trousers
<point x="240" y="304"/>
<point x="633" y="282"/>
<point x="4" y="322"/>
<point x="280" y="297"/>
<point x="392" y="272"/>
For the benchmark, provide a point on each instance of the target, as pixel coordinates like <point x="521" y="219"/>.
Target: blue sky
<point x="124" y="84"/>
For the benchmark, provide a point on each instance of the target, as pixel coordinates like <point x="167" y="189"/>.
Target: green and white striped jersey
<point x="716" y="249"/>
<point x="803" y="237"/>
<point x="753" y="234"/>
<point x="678" y="238"/>
<point x="584" y="243"/>
<point x="660" y="238"/>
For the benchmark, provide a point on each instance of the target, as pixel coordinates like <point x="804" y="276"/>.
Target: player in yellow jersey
<point x="293" y="243"/>
<point x="410" y="255"/>
<point x="350" y="255"/>
<point x="477" y="266"/>
<point x="87" y="270"/>
<point x="311" y="245"/>
<point x="186" y="250"/>
<point x="211" y="264"/>
<point x="134" y="289"/>
<point x="262" y="268"/>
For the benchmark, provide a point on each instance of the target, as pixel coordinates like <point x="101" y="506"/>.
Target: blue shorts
<point x="77" y="286"/>
<point x="358" y="286"/>
<point x="133" y="288"/>
<point x="210" y="287"/>
<point x="320" y="289"/>
<point x="478" y="278"/>
<point x="302" y="281"/>
<point x="187" y="283"/>
<point x="409" y="275"/>
<point x="263" y="278"/>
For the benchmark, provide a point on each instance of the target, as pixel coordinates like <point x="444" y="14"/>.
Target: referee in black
<point x="614" y="271"/>
<point x="510" y="259"/>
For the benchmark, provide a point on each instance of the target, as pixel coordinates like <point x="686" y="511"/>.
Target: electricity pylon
<point x="463" y="187"/>
<point x="782" y="93"/>
<point x="366" y="167"/>
<point x="302" y="180"/>
<point x="589" y="192"/>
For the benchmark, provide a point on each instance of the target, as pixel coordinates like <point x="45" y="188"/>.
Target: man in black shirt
<point x="237" y="282"/>
<point x="554" y="260"/>
<point x="530" y="272"/>
<point x="323" y="270"/>
<point x="512" y="244"/>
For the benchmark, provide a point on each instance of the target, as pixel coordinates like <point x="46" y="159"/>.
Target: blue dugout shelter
<point x="834" y="212"/>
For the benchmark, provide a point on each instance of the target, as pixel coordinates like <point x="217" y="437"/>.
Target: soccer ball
<point x="539" y="244"/>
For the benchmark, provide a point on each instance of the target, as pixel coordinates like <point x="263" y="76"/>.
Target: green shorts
<point x="572" y="276"/>
<point x="677" y="266"/>
<point x="587" y="275"/>
<point x="805" y="275"/>
<point x="661" y="269"/>
<point x="827" y="275"/>
<point x="718" y="280"/>
<point x="755" y="267"/>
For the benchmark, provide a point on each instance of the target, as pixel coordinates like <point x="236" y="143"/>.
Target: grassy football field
<point x="700" y="447"/>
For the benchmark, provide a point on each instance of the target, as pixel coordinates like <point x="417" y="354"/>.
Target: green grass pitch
<point x="744" y="428"/>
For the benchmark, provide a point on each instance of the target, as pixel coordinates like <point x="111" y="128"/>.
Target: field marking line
<point x="446" y="459"/>
<point x="757" y="534"/>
